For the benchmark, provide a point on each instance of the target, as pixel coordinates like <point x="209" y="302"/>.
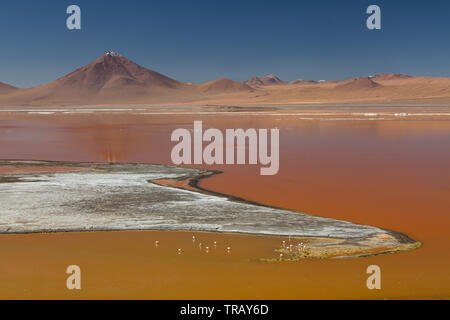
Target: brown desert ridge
<point x="115" y="80"/>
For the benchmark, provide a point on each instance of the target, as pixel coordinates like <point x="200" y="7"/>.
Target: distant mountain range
<point x="114" y="80"/>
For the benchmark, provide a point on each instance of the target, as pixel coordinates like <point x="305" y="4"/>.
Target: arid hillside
<point x="114" y="80"/>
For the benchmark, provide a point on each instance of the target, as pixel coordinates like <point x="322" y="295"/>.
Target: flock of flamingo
<point x="200" y="245"/>
<point x="300" y="247"/>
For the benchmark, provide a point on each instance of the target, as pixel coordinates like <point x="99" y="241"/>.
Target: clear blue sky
<point x="193" y="40"/>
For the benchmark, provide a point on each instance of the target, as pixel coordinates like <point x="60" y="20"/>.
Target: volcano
<point x="110" y="72"/>
<point x="111" y="78"/>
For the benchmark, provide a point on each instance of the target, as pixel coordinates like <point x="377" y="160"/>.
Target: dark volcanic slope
<point x="267" y="80"/>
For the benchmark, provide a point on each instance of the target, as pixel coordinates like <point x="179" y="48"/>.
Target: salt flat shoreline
<point x="362" y="106"/>
<point x="281" y="112"/>
<point x="342" y="239"/>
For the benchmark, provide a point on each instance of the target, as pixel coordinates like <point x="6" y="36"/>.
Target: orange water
<point x="391" y="174"/>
